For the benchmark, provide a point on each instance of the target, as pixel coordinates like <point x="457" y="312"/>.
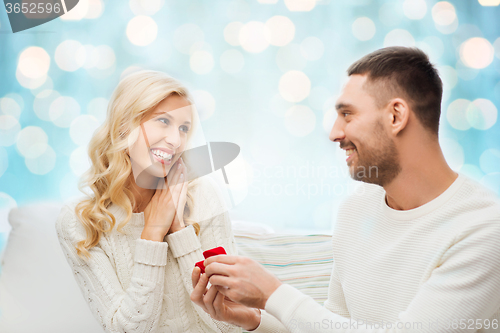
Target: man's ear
<point x="399" y="114"/>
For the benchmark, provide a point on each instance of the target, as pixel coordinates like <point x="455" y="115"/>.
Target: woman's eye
<point x="164" y="120"/>
<point x="185" y="129"/>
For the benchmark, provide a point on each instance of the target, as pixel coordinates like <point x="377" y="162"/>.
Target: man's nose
<point x="337" y="132"/>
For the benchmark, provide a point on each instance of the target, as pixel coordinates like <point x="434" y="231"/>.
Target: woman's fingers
<point x="195" y="276"/>
<point x="199" y="291"/>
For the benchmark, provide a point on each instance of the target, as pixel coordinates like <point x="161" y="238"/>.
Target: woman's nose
<point x="172" y="137"/>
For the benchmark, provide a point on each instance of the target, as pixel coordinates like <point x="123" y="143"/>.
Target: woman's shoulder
<point x="68" y="226"/>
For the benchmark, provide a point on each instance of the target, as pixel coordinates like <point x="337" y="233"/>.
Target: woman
<point x="133" y="243"/>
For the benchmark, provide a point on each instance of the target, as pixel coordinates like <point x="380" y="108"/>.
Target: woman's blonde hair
<point x="133" y="100"/>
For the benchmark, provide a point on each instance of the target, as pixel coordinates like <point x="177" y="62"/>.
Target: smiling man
<point x="417" y="251"/>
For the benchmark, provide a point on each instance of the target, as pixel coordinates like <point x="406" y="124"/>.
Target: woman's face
<point x="160" y="140"/>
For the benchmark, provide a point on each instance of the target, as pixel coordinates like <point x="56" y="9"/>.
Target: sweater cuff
<point x="183" y="241"/>
<point x="268" y="323"/>
<point x="283" y="302"/>
<point x="150" y="252"/>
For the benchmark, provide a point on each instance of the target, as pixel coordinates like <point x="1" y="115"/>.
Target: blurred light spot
<point x="26" y="82"/>
<point x="492" y="181"/>
<point x="238" y="10"/>
<point x="290" y="58"/>
<point x="267" y="1"/>
<point x="363" y="28"/>
<point x="391" y="13"/>
<point x="464" y="72"/>
<point x="96" y="7"/>
<point x="42" y="164"/>
<point x="69" y="56"/>
<point x="6" y="201"/>
<point x="453" y="153"/>
<point x="47" y="85"/>
<point x="10" y="106"/>
<point x="200" y="46"/>
<point x="294" y="86"/>
<point x="476" y="53"/>
<point x="318" y="96"/>
<point x="432" y="46"/>
<point x="90" y="54"/>
<point x="282" y="30"/>
<point x="145" y="7"/>
<point x="42" y="102"/>
<point x="4" y="161"/>
<point x="97" y="107"/>
<point x="399" y="37"/>
<point x="205" y="103"/>
<point x="490" y="161"/>
<point x="445" y="18"/>
<point x="254" y="37"/>
<point x="32" y="141"/>
<point x="489" y="2"/>
<point x="300" y="120"/>
<point x="232" y="33"/>
<point x="496" y="45"/>
<point x="415" y="9"/>
<point x="329" y="118"/>
<point x="63" y="110"/>
<point x="106" y="57"/>
<point x="142" y="30"/>
<point x="481" y="114"/>
<point x="186" y="35"/>
<point x="34" y="62"/>
<point x="449" y="77"/>
<point x="232" y="61"/>
<point x="300" y="5"/>
<point x="278" y="105"/>
<point x="472" y="171"/>
<point x="82" y="129"/>
<point x="201" y="62"/>
<point x="79" y="161"/>
<point x="9" y="129"/>
<point x="312" y="48"/>
<point x="457" y="114"/>
<point x="130" y="70"/>
<point x="78" y="12"/>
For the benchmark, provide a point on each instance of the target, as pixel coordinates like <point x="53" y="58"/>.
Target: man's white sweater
<point x="435" y="268"/>
<point x="134" y="285"/>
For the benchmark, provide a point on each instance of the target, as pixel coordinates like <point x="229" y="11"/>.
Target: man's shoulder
<point x="363" y="195"/>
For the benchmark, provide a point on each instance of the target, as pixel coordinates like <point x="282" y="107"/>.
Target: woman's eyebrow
<point x="169" y="116"/>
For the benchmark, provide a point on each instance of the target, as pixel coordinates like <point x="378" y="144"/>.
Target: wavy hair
<point x="109" y="176"/>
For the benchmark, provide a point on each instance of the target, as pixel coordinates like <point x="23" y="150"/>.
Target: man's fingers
<point x="223" y="258"/>
<point x="221" y="281"/>
<point x="219" y="301"/>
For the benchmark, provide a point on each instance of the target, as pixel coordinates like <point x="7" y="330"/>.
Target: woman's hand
<point x="161" y="210"/>
<point x="220" y="307"/>
<point x="180" y="199"/>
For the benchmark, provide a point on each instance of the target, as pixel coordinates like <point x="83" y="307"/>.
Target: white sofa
<point x="38" y="293"/>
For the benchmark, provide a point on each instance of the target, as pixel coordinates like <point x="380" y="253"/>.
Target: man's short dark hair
<point x="406" y="73"/>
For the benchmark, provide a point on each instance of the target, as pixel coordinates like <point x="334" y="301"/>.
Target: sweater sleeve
<point x="187" y="248"/>
<point x="460" y="295"/>
<point x="135" y="309"/>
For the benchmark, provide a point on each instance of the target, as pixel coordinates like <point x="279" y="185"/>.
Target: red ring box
<point x="209" y="253"/>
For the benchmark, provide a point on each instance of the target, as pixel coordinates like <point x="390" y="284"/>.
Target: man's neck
<point x="420" y="181"/>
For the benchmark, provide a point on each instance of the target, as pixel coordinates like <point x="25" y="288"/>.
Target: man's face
<point x="361" y="130"/>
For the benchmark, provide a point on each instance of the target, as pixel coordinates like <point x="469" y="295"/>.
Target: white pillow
<point x="38" y="292"/>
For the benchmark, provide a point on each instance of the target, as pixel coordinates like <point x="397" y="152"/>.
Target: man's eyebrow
<point x="168" y="116"/>
<point x="340" y="106"/>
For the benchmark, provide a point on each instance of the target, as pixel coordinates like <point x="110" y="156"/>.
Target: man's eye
<point x="345" y="114"/>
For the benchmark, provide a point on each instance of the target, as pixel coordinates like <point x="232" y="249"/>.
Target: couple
<point x="418" y="251"/>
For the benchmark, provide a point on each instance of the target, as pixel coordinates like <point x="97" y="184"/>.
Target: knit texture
<point x="134" y="285"/>
<point x="435" y="268"/>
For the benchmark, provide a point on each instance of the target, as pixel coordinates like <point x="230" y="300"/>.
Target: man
<point x="418" y="251"/>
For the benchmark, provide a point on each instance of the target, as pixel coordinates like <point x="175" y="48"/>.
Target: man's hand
<point x="241" y="279"/>
<point x="220" y="307"/>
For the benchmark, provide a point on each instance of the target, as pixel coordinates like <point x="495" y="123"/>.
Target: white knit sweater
<point x="136" y="285"/>
<point x="435" y="268"/>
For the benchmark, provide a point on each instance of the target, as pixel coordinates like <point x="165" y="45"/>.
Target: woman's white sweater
<point x="136" y="285"/>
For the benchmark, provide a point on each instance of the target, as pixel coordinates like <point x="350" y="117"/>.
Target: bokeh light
<point x="232" y="61"/>
<point x="445" y="17"/>
<point x="290" y="57"/>
<point x="300" y="5"/>
<point x="477" y="53"/>
<point x="145" y="7"/>
<point x="82" y="129"/>
<point x="70" y="55"/>
<point x="363" y="28"/>
<point x="201" y="62"/>
<point x="453" y="153"/>
<point x="232" y="33"/>
<point x="142" y="30"/>
<point x="457" y="114"/>
<point x="9" y="129"/>
<point x="312" y="48"/>
<point x="300" y="120"/>
<point x="282" y="30"/>
<point x="399" y="37"/>
<point x="97" y="107"/>
<point x="254" y="36"/>
<point x="186" y="36"/>
<point x="482" y="114"/>
<point x="205" y="103"/>
<point x="79" y="161"/>
<point x="43" y="163"/>
<point x="294" y="86"/>
<point x="63" y="110"/>
<point x="490" y="160"/>
<point x="34" y="62"/>
<point x="11" y="105"/>
<point x="42" y="102"/>
<point x="4" y="161"/>
<point x="32" y="142"/>
<point x="415" y="9"/>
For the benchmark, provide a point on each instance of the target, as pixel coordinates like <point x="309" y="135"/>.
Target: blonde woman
<point x="132" y="244"/>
